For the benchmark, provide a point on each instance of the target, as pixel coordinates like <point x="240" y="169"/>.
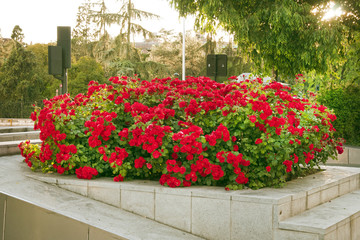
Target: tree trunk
<point x="128" y="31"/>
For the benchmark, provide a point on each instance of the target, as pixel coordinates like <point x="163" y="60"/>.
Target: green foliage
<point x="82" y="72"/>
<point x="346" y="104"/>
<point x="170" y="54"/>
<point x="21" y="81"/>
<point x="280" y="35"/>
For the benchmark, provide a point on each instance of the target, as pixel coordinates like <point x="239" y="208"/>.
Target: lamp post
<point x="183" y="51"/>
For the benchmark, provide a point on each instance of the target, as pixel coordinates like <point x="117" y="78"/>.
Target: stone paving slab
<point x="13" y="182"/>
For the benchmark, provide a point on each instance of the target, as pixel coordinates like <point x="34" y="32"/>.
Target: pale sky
<point x="39" y="18"/>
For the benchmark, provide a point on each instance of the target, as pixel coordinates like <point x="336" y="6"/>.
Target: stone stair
<point x="338" y="218"/>
<point x="10" y="137"/>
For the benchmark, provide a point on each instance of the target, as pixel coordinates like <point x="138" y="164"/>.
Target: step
<point x="16" y="122"/>
<point x="11" y="147"/>
<point x="336" y="219"/>
<point x="15" y="136"/>
<point x="16" y="129"/>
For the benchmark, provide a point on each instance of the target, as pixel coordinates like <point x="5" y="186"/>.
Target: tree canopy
<point x="283" y="35"/>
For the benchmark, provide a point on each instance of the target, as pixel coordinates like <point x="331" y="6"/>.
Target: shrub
<point x="346" y="105"/>
<point x="183" y="133"/>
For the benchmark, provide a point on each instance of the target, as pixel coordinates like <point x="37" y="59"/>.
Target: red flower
<point x="86" y="172"/>
<point x="156" y="154"/>
<point x="182" y="104"/>
<point x="118" y="178"/>
<point x="258" y="141"/>
<point x="139" y="162"/>
<point x="176" y="148"/>
<point x="339" y="149"/>
<point x="268" y="168"/>
<point x="236" y="148"/>
<point x="252" y="118"/>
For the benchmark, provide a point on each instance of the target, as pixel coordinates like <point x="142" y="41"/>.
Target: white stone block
<point x="329" y="193"/>
<point x="355" y="227"/>
<point x="331" y="235"/>
<point x="344" y="230"/>
<point x="78" y="186"/>
<point x="211" y="218"/>
<point x="105" y="191"/>
<point x="354" y="156"/>
<point x="282" y="212"/>
<point x="173" y="210"/>
<point x="313" y="200"/>
<point x="139" y="202"/>
<point x="344" y="188"/>
<point x="292" y="235"/>
<point x="251" y="220"/>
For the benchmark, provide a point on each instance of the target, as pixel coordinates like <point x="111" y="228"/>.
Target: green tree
<point x="50" y="83"/>
<point x="169" y="53"/>
<point x="83" y="34"/>
<point x="282" y="35"/>
<point x="128" y="15"/>
<point x="21" y="85"/>
<point x="17" y="34"/>
<point x="6" y="46"/>
<point x="83" y="71"/>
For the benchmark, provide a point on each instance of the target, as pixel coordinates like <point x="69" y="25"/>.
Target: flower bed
<point x="192" y="132"/>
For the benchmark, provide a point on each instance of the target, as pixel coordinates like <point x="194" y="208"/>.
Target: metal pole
<point x="183" y="51"/>
<point x="65" y="82"/>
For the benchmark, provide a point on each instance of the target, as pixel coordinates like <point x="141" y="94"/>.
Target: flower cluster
<point x="86" y="172"/>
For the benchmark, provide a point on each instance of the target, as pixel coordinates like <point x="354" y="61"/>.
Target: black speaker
<point x="55" y="60"/>
<point x="221" y="65"/>
<point x="211" y="65"/>
<point x="64" y="41"/>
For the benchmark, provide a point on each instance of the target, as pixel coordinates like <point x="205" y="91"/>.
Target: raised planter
<point x="212" y="212"/>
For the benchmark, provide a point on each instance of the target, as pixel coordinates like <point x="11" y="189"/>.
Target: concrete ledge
<point x="11" y="147"/>
<point x="245" y="214"/>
